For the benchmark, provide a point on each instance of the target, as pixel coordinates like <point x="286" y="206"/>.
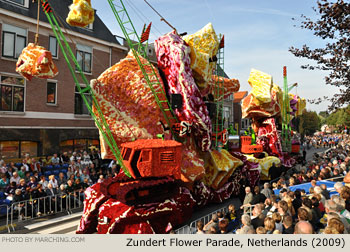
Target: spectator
<point x="32" y="187"/>
<point x="258" y="217"/>
<point x="269" y="225"/>
<point x="338" y="186"/>
<point x="261" y="230"/>
<point x="44" y="183"/>
<point x="337" y="225"/>
<point x="332" y="207"/>
<point x="258" y="197"/>
<point x="85" y="175"/>
<point x="15" y="178"/>
<point x="73" y="158"/>
<point x="288" y="225"/>
<point x="278" y="221"/>
<point x="22" y="186"/>
<point x="55" y="160"/>
<point x="303" y="227"/>
<point x="4" y="182"/>
<point x="11" y="190"/>
<point x="345" y="194"/>
<point x="200" y="227"/>
<point x="247" y="200"/>
<point x="19" y="204"/>
<point x="64" y="158"/>
<point x="53" y="181"/>
<point x="22" y="172"/>
<point x="61" y="179"/>
<point x="70" y="171"/>
<point x="267" y="191"/>
<point x="246" y="225"/>
<point x="101" y="179"/>
<point x="212" y="223"/>
<point x="223" y="226"/>
<point x="325" y="192"/>
<point x="3" y="168"/>
<point x="50" y="191"/>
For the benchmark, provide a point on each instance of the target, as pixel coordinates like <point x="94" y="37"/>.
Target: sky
<point x="257" y="33"/>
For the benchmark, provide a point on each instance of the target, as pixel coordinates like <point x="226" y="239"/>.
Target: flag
<point x="46" y="7"/>
<point x="145" y="33"/>
<point x="222" y="42"/>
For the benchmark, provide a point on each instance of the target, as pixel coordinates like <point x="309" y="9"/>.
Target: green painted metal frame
<point x="99" y="118"/>
<point x="218" y="126"/>
<point x="152" y="80"/>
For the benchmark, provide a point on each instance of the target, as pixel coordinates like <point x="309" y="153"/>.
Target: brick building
<point x="41" y="117"/>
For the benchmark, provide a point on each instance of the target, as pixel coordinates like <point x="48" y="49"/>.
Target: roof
<point x="220" y="72"/>
<point x="238" y="96"/>
<point x="60" y="8"/>
<point x="151" y="143"/>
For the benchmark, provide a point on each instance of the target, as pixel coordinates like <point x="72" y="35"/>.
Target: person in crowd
<point x="11" y="190"/>
<point x="4" y="183"/>
<point x="278" y="221"/>
<point x="52" y="193"/>
<point x="100" y="179"/>
<point x="15" y="178"/>
<point x="3" y="167"/>
<point x="332" y="207"/>
<point x="61" y="179"/>
<point x="70" y="171"/>
<point x="55" y="160"/>
<point x="22" y="186"/>
<point x="32" y="188"/>
<point x="42" y="203"/>
<point x="44" y="183"/>
<point x="247" y="200"/>
<point x="269" y="225"/>
<point x="258" y="197"/>
<point x="338" y="186"/>
<point x="94" y="177"/>
<point x="73" y="158"/>
<point x="214" y="222"/>
<point x="288" y="227"/>
<point x="303" y="227"/>
<point x="260" y="230"/>
<point x="267" y="191"/>
<point x="64" y="158"/>
<point x="85" y="175"/>
<point x="22" y="172"/>
<point x="200" y="226"/>
<point x="246" y="225"/>
<point x="337" y="225"/>
<point x="345" y="194"/>
<point x="257" y="217"/>
<point x="325" y="192"/>
<point x="19" y="204"/>
<point x="53" y="181"/>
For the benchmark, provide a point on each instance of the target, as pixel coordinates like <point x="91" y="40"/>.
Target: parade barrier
<point x="30" y="209"/>
<point x="4" y="211"/>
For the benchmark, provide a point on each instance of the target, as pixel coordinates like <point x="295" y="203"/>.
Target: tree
<point x="333" y="25"/>
<point x="309" y="123"/>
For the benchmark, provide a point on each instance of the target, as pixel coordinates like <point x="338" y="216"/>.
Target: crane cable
<point x="37" y="23"/>
<point x="161" y="17"/>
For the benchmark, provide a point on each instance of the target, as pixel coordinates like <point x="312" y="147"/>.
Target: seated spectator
<point x="55" y="160"/>
<point x="64" y="158"/>
<point x="44" y="183"/>
<point x="11" y="190"/>
<point x="85" y="175"/>
<point x="22" y="172"/>
<point x="4" y="183"/>
<point x="27" y="177"/>
<point x="15" y="178"/>
<point x="231" y="215"/>
<point x="74" y="158"/>
<point x="50" y="191"/>
<point x="288" y="227"/>
<point x="61" y="179"/>
<point x="70" y="172"/>
<point x="35" y="166"/>
<point x="3" y="167"/>
<point x="303" y="227"/>
<point x="62" y="189"/>
<point x="332" y="207"/>
<point x="246" y="225"/>
<point x="85" y="184"/>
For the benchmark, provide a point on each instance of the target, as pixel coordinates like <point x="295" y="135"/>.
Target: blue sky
<point x="257" y="35"/>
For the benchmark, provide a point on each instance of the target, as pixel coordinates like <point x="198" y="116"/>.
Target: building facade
<point x="42" y="117"/>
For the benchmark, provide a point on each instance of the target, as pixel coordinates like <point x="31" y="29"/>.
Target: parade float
<point x="164" y="125"/>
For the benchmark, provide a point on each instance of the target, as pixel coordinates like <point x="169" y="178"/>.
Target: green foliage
<point x="339" y="117"/>
<point x="309" y="123"/>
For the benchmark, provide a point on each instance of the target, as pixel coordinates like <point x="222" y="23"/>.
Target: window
<point x="80" y="107"/>
<point x="14" y="39"/>
<point x="78" y="145"/>
<point x="84" y="55"/>
<point x="18" y="149"/>
<point x="167" y="157"/>
<point x="24" y="3"/>
<point x="11" y="93"/>
<point x="51" y="92"/>
<point x="145" y="155"/>
<point x="53" y="46"/>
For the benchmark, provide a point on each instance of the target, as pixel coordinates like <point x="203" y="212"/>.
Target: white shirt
<point x="54" y="183"/>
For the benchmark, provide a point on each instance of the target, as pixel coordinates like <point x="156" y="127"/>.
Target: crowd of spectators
<point x="287" y="212"/>
<point x="29" y="180"/>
